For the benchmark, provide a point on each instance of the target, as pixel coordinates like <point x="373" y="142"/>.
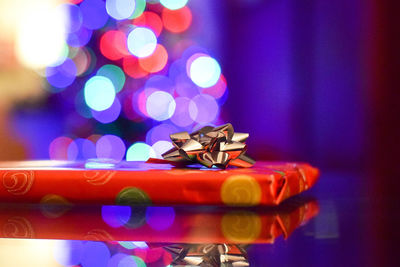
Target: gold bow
<point x="209" y="146"/>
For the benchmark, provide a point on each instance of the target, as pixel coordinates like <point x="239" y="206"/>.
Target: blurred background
<point x="310" y="80"/>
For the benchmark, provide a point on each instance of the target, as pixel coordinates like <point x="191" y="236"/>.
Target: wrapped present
<point x="131" y="183"/>
<point x="187" y="225"/>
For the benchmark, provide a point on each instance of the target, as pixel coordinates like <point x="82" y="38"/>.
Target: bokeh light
<point x="115" y="216"/>
<point x="160" y="132"/>
<point x="140" y="7"/>
<point x="218" y="89"/>
<point x="132" y="68"/>
<point x="203" y="109"/>
<point x="161" y="147"/>
<point x="75" y="17"/>
<point x="58" y="149"/>
<point x="80" y="37"/>
<point x="139" y="152"/>
<point x="142" y="42"/>
<point x="82" y="61"/>
<point x="156" y="61"/>
<point x="177" y="21"/>
<point x="68" y="252"/>
<point x="160" y="218"/>
<point x="81" y="149"/>
<point x="62" y="75"/>
<point x="160" y="105"/>
<point x="108" y="115"/>
<point x="150" y="20"/>
<point x="181" y="116"/>
<point x="99" y="93"/>
<point x="130" y="261"/>
<point x="133" y="244"/>
<point x="120" y="9"/>
<point x="116" y="259"/>
<point x="110" y="147"/>
<point x="95" y="254"/>
<point x="113" y="45"/>
<point x="115" y="74"/>
<point x="173" y="4"/>
<point x="204" y="71"/>
<point x="135" y="58"/>
<point x="94" y="14"/>
<point x="41" y="35"/>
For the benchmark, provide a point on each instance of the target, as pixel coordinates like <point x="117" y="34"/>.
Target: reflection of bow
<point x="211" y="255"/>
<point x="219" y="146"/>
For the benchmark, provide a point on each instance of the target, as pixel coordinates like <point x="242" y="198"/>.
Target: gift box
<point x="155" y="224"/>
<point x="132" y="183"/>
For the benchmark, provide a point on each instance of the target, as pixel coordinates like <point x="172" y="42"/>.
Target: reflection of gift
<point x="207" y="255"/>
<point x="140" y="183"/>
<point x="154" y="224"/>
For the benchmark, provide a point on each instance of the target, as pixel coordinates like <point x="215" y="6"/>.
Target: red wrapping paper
<point x="129" y="183"/>
<point x="154" y="224"/>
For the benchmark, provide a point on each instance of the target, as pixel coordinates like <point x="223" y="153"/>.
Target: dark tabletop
<point x="347" y="228"/>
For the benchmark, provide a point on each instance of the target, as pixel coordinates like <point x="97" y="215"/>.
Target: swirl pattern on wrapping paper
<point x="18" y="227"/>
<point x="98" y="235"/>
<point x="241" y="226"/>
<point x="241" y="190"/>
<point x="99" y="177"/>
<point x="18" y="182"/>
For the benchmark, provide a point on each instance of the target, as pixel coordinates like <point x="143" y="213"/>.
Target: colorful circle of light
<point x="94" y="14"/>
<point x="75" y="17"/>
<point x="120" y="9"/>
<point x="99" y="93"/>
<point x="132" y="68"/>
<point x="160" y="218"/>
<point x="63" y="75"/>
<point x="109" y="115"/>
<point x="156" y="61"/>
<point x="139" y="151"/>
<point x="40" y="35"/>
<point x="81" y="149"/>
<point x="58" y="148"/>
<point x="142" y="42"/>
<point x="204" y="71"/>
<point x="116" y="259"/>
<point x="160" y="105"/>
<point x="115" y="74"/>
<point x="176" y="21"/>
<point x="80" y="37"/>
<point x="110" y="147"/>
<point x="181" y="116"/>
<point x="173" y="4"/>
<point x="218" y="89"/>
<point x="95" y="254"/>
<point x="150" y="20"/>
<point x="140" y="7"/>
<point x="133" y="244"/>
<point x="82" y="61"/>
<point x="68" y="252"/>
<point x="161" y="147"/>
<point x="131" y="261"/>
<point x="115" y="216"/>
<point x="203" y="109"/>
<point x="160" y="132"/>
<point x="113" y="45"/>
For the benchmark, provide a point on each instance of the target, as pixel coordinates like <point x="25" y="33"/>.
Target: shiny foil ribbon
<point x="209" y="146"/>
<point x="211" y="255"/>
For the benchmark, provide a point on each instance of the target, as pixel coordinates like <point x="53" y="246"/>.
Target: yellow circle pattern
<point x="241" y="227"/>
<point x="241" y="190"/>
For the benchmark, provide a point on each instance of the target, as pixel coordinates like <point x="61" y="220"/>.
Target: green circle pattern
<point x="131" y="196"/>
